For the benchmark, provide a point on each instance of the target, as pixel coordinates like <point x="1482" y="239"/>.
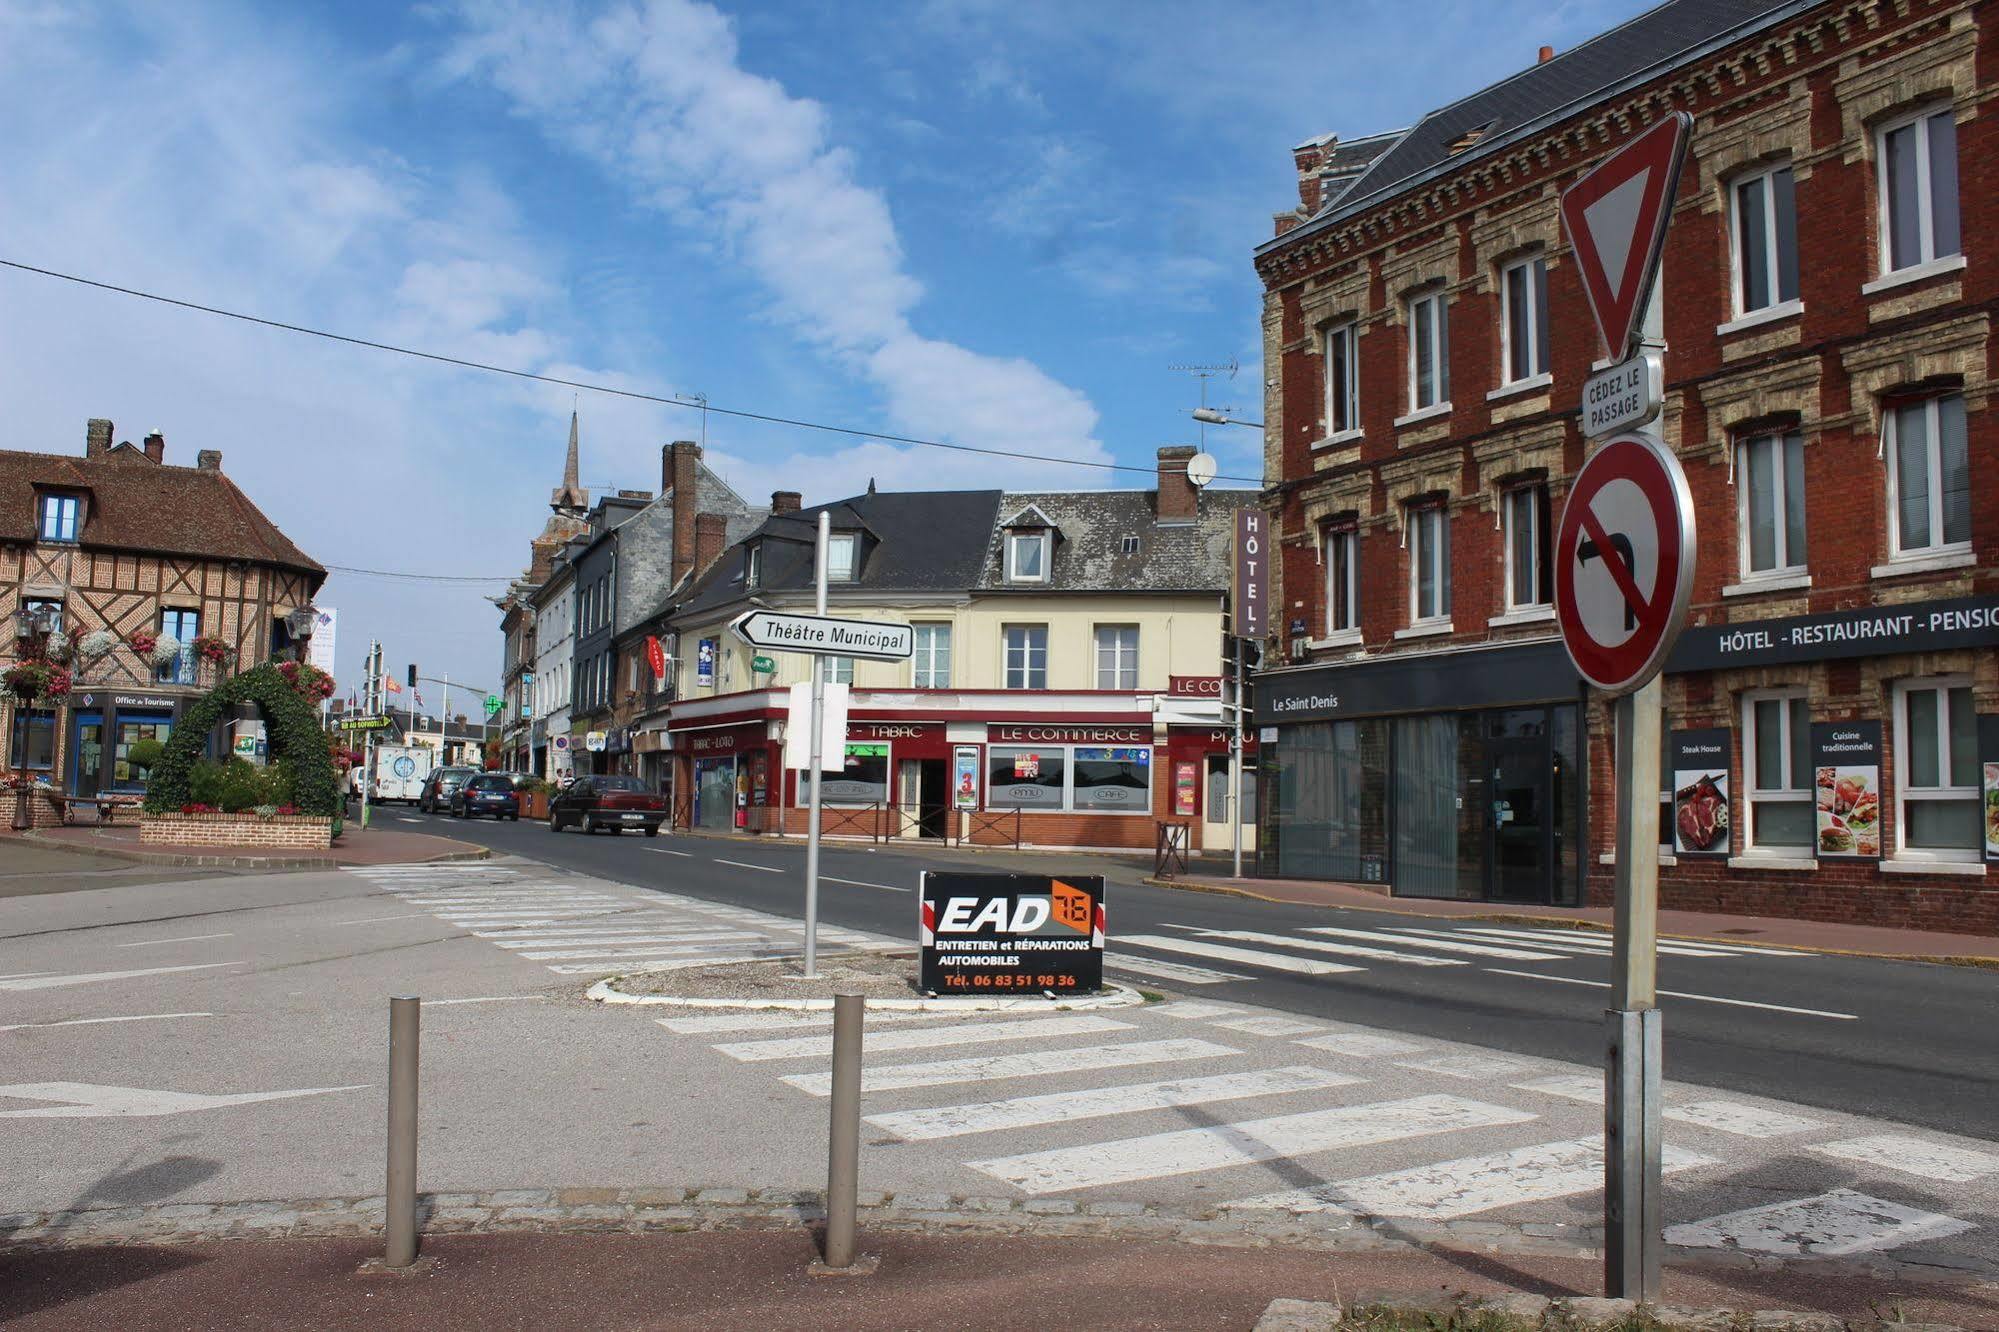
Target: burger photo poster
<point x="1846" y="789"/>
<point x="1988" y="792"/>
<point x="1700" y="792"/>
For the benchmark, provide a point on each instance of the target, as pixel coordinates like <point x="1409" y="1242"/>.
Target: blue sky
<point x="996" y="222"/>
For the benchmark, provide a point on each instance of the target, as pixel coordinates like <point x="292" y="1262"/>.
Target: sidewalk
<point x="756" y="1279"/>
<point x="355" y="846"/>
<point x="1716" y="926"/>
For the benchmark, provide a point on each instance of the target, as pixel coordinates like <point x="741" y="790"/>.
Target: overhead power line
<point x="420" y="577"/>
<point x="585" y="385"/>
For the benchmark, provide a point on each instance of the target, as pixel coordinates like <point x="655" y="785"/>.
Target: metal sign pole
<point x="1632" y="1223"/>
<point x="370" y="701"/>
<point x="818" y="725"/>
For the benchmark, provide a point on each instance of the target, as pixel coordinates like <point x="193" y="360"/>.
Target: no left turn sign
<point x="1624" y="562"/>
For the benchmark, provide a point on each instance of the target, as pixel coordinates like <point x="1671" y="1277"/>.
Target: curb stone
<point x="266" y="864"/>
<point x="1541" y="1311"/>
<point x="1113" y="995"/>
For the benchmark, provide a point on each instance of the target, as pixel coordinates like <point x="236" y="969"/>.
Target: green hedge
<point x="291" y="727"/>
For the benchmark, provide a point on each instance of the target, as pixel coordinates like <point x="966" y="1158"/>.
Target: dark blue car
<point x="488" y="793"/>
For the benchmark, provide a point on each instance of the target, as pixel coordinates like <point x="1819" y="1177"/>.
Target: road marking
<point x="88" y="1022"/>
<point x="970" y="1033"/>
<point x="1361" y="1045"/>
<point x="1682" y="994"/>
<point x="404" y="818"/>
<point x="665" y="963"/>
<point x="1439" y="940"/>
<point x="669" y="851"/>
<point x="740" y="864"/>
<point x="16" y="975"/>
<point x="1473" y="1184"/>
<point x="718" y="951"/>
<point x="489" y="999"/>
<point x="1466" y="1066"/>
<point x="1601" y="943"/>
<point x="1324" y="946"/>
<point x="1584" y="1087"/>
<point x="862" y="883"/>
<point x="1745" y="1121"/>
<point x="1840" y="1222"/>
<point x="1146" y="966"/>
<point x="1187" y="1151"/>
<point x="1595" y="936"/>
<point x="1913" y="1156"/>
<point x="186" y="938"/>
<point x="951" y="1121"/>
<point x="1036" y="1063"/>
<point x="50" y="982"/>
<point x="85" y="1100"/>
<point x="1247" y="956"/>
<point x="1196" y="1008"/>
<point x="527" y="917"/>
<point x="376" y="920"/>
<point x="1269" y="1026"/>
<point x="554" y="940"/>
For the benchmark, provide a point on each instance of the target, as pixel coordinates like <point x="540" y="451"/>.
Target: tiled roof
<point x="138" y="504"/>
<point x="1092" y="527"/>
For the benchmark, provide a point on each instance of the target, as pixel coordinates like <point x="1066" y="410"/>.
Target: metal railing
<point x="1003" y="823"/>
<point x="1169" y="851"/>
<point x="869" y="821"/>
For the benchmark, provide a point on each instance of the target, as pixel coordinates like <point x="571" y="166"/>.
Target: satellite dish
<point x="1201" y="469"/>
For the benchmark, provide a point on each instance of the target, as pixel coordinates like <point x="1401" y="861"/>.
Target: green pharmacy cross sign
<point x="493" y="705"/>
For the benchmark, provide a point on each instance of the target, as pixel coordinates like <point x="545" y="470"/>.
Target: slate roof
<point x="139" y="505"/>
<point x="1348" y="161"/>
<point x="1645" y="46"/>
<point x="1089" y="554"/>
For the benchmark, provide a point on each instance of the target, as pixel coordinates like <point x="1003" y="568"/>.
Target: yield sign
<point x="1616" y="219"/>
<point x="1624" y="562"/>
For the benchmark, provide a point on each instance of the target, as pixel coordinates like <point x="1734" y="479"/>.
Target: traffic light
<point x="412" y="675"/>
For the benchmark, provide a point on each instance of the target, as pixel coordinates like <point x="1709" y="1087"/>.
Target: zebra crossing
<point x="592" y="928"/>
<point x="1150" y="1102"/>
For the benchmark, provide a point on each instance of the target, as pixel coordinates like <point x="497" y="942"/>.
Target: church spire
<point x="570" y="497"/>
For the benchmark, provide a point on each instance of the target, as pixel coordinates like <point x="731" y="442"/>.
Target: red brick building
<point x="1826" y="294"/>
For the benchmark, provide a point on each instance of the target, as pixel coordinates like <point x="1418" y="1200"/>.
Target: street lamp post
<point x="1213" y="416"/>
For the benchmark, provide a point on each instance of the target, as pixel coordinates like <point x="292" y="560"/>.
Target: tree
<point x="291" y="726"/>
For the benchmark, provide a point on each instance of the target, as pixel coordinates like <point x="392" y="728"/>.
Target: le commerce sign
<point x="985" y="934"/>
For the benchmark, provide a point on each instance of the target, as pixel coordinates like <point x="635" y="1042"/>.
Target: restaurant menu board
<point x="1988" y="762"/>
<point x="1700" y="791"/>
<point x="986" y="934"/>
<point x="1846" y="789"/>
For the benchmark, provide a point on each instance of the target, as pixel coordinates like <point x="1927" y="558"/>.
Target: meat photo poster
<point x="1988" y="763"/>
<point x="1700" y="791"/>
<point x="1846" y="789"/>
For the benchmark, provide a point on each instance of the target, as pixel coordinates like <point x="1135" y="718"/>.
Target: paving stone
<point x="517" y="1215"/>
<point x="1050" y="1207"/>
<point x="585" y="1197"/>
<point x="987" y="1204"/>
<point x="921" y="1202"/>
<point x="869" y="1198"/>
<point x="655" y="1197"/>
<point x="1116" y="1209"/>
<point x="520" y="1198"/>
<point x="723" y="1197"/>
<point x="1299" y="1316"/>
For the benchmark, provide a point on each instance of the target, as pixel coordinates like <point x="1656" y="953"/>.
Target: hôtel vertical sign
<point x="1251" y="577"/>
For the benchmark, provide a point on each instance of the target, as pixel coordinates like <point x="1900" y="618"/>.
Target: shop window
<point x="183" y="626"/>
<point x="1026" y="656"/>
<point x="863" y="779"/>
<point x="1112" y="780"/>
<point x="1524" y="319"/>
<point x="1342" y="361"/>
<point x="840" y="670"/>
<point x="1025" y="778"/>
<point x="1342" y="562"/>
<point x="931" y="660"/>
<point x="1117" y="656"/>
<point x="1918" y="188"/>
<point x="60" y="516"/>
<point x="33" y="745"/>
<point x="1770" y="504"/>
<point x="1777" y="750"/>
<point x="1429" y="344"/>
<point x="132" y="728"/>
<point x="1936" y="770"/>
<point x="1429" y="564"/>
<point x="1328" y="802"/>
<point x="842" y="557"/>
<point x="1766" y="239"/>
<point x="1929" y="477"/>
<point x="1529" y="576"/>
<point x="1027" y="557"/>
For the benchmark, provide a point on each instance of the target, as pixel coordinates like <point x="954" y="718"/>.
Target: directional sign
<point x="822" y="635"/>
<point x="363" y="723"/>
<point x="1624" y="562"/>
<point x="1616" y="219"/>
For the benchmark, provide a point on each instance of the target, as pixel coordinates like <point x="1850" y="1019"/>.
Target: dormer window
<point x="753" y="566"/>
<point x="1027" y="557"/>
<point x="842" y="557"/>
<point x="60" y="517"/>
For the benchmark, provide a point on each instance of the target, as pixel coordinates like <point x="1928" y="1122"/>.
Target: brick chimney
<point x="96" y="437"/>
<point x="1547" y="54"/>
<point x="680" y="464"/>
<point x="156" y="446"/>
<point x="1177" y="497"/>
<point x="209" y="460"/>
<point x="711" y="538"/>
<point x="785" y="501"/>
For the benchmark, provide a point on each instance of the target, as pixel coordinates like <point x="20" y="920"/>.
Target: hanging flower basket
<point x="210" y="648"/>
<point x="163" y="650"/>
<point x="311" y="683"/>
<point x="96" y="644"/>
<point x="56" y="647"/>
<point x="59" y="684"/>
<point x="29" y="680"/>
<point x="144" y="641"/>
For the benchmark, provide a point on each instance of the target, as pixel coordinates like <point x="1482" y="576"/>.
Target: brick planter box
<point x="42" y="809"/>
<point x="289" y="832"/>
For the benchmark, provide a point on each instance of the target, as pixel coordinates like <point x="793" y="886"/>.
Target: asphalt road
<point x="1911" y="1042"/>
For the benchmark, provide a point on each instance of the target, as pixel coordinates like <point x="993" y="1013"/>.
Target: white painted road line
<point x="1840" y="1222"/>
<point x="1187" y="1151"/>
<point x="1146" y="966"/>
<point x="1360" y="1045"/>
<point x="1464" y="1187"/>
<point x="1744" y="1121"/>
<point x="1682" y="994"/>
<point x="1340" y="949"/>
<point x="91" y="1022"/>
<point x="1247" y="956"/>
<point x="1470" y="1067"/>
<point x="624" y="937"/>
<point x="1443" y="941"/>
<point x="1027" y="1064"/>
<point x="1600" y="943"/>
<point x="1190" y="1009"/>
<point x="1269" y="1025"/>
<point x="662" y="963"/>
<point x="489" y="999"/>
<point x="669" y="851"/>
<point x="52" y="982"/>
<point x="1584" y="1087"/>
<point x="376" y="920"/>
<point x="718" y="951"/>
<point x="1913" y="1156"/>
<point x="739" y="864"/>
<point x="971" y="1033"/>
<point x="951" y="1121"/>
<point x="186" y="938"/>
<point x="862" y="883"/>
<point x="88" y="1100"/>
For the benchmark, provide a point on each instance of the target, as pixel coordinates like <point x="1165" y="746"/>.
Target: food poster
<point x="1700" y="791"/>
<point x="1026" y="766"/>
<point x="965" y="781"/>
<point x="1988" y="762"/>
<point x="1186" y="780"/>
<point x="1846" y="789"/>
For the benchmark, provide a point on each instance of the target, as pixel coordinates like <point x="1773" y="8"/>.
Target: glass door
<point x="1520" y="815"/>
<point x="86" y="768"/>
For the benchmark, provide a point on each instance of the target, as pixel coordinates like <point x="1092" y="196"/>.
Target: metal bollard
<point x="405" y="1020"/>
<point x="843" y="1153"/>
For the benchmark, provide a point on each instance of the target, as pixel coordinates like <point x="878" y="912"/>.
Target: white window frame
<point x="1435" y="297"/>
<point x="839" y="670"/>
<point x="1789" y="562"/>
<point x="1904" y="791"/>
<point x="1345" y="394"/>
<point x="70" y="507"/>
<point x="1801" y="787"/>
<point x="753" y="565"/>
<point x="1933" y="459"/>
<point x="1349" y="539"/>
<point x="1007" y="632"/>
<point x="1429" y="543"/>
<point x="1536" y="316"/>
<point x="1773" y="241"/>
<point x="1925" y="220"/>
<point x="1119" y="652"/>
<point x="1014" y="543"/>
<point x="843" y="569"/>
<point x="924" y="654"/>
<point x="1533" y="495"/>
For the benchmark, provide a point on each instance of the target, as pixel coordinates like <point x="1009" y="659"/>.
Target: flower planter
<point x="534" y="804"/>
<point x="286" y="832"/>
<point x="32" y="808"/>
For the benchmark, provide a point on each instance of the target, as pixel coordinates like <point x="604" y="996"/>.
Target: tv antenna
<point x="1204" y="373"/>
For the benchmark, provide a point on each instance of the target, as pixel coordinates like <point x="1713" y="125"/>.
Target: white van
<point x="400" y="771"/>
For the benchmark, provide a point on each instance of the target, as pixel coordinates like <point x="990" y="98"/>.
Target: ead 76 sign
<point x="987" y="934"/>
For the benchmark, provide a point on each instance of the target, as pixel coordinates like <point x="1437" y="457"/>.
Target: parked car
<point x="487" y="793"/>
<point x="437" y="790"/>
<point x="616" y="803"/>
